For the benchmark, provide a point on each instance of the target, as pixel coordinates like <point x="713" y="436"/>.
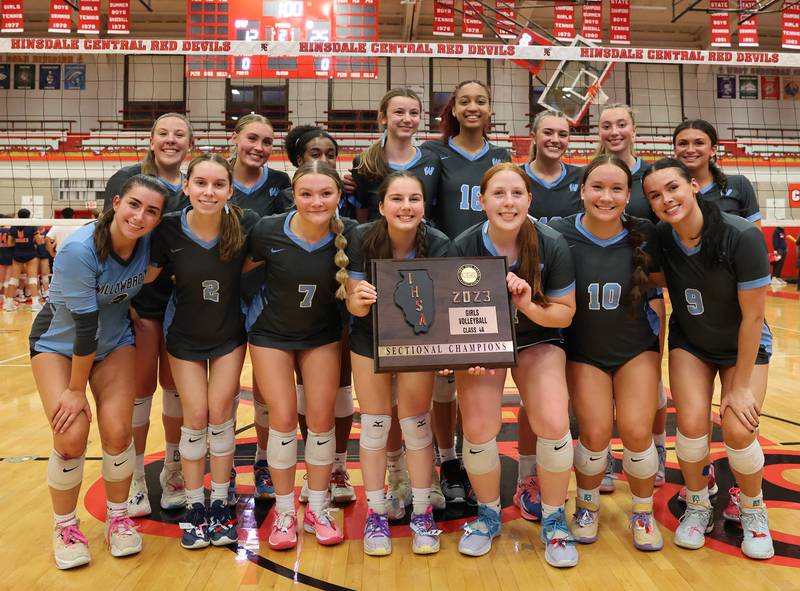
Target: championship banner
<point x="592" y="28"/>
<point x="89" y="17"/>
<point x="503" y="23"/>
<point x="60" y="21"/>
<point x="748" y="30"/>
<point x="444" y="18"/>
<point x="472" y="25"/>
<point x="119" y="17"/>
<point x="564" y="21"/>
<point x="620" y="18"/>
<point x="720" y="24"/>
<point x="791" y="27"/>
<point x="12" y="17"/>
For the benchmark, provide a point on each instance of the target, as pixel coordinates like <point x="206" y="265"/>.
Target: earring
<point x="227" y="209"/>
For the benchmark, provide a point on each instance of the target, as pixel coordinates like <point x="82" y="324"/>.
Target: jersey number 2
<point x="611" y="295"/>
<point x="308" y="292"/>
<point x="211" y="290"/>
<point x="694" y="302"/>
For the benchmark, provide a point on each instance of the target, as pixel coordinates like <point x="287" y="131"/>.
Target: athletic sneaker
<point x="138" y="502"/>
<point x="340" y="488"/>
<point x="426" y="534"/>
<point x="585" y="522"/>
<point x="398" y="494"/>
<point x="221" y="524"/>
<point x="323" y="526"/>
<point x="472" y="498"/>
<point x="173" y="490"/>
<point x="121" y="536"/>
<point x="232" y="498"/>
<point x="697" y="521"/>
<point x="646" y="535"/>
<point x="36" y="306"/>
<point x="607" y="485"/>
<point x="284" y="531"/>
<point x="265" y="490"/>
<point x="559" y="545"/>
<point x="377" y="539"/>
<point x="195" y="527"/>
<point x="713" y="489"/>
<point x="478" y="535"/>
<point x="529" y="499"/>
<point x="731" y="512"/>
<point x="661" y="472"/>
<point x="438" y="502"/>
<point x="70" y="546"/>
<point x="304" y="490"/>
<point x="757" y="541"/>
<point x="452" y="482"/>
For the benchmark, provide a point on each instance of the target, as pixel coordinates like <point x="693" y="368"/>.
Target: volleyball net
<point x="76" y="110"/>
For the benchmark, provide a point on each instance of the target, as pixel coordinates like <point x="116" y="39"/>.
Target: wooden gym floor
<point x="516" y="561"/>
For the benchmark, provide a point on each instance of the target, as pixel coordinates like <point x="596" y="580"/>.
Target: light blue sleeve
<point x="78" y="268"/>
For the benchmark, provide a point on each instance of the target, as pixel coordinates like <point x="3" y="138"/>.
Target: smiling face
<point x="605" y="193"/>
<point x="253" y="144"/>
<point x="617" y="131"/>
<point x="506" y="200"/>
<point x="671" y="196"/>
<point x="320" y="148"/>
<point x="402" y="117"/>
<point x="404" y="205"/>
<point x="693" y="147"/>
<point x="472" y="107"/>
<point x="551" y="137"/>
<point x="316" y="196"/>
<point x="208" y="187"/>
<point x="170" y="141"/>
<point x="138" y="211"/>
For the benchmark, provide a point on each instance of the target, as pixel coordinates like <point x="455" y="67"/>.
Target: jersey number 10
<point x="611" y="293"/>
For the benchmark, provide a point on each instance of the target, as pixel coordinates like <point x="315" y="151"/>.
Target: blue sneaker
<point x="221" y="524"/>
<point x="232" y="498"/>
<point x="559" y="545"/>
<point x="478" y="534"/>
<point x="195" y="527"/>
<point x="528" y="499"/>
<point x="264" y="487"/>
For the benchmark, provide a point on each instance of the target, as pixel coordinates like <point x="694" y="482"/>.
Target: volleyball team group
<point x="186" y="271"/>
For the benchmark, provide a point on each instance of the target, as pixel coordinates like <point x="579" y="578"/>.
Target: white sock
<point x="494" y="505"/>
<point x="261" y="454"/>
<point x="117" y="508"/>
<point x="698" y="497"/>
<point x="138" y="469"/>
<point x="340" y="461"/>
<point x="643" y="501"/>
<point x="447" y="453"/>
<point x="376" y="500"/>
<point x="284" y="503"/>
<point x="660" y="439"/>
<point x="548" y="510"/>
<point x="396" y="460"/>
<point x="195" y="495"/>
<point x="219" y="491"/>
<point x="172" y="456"/>
<point x="591" y="495"/>
<point x="421" y="499"/>
<point x="526" y="466"/>
<point x="68" y="519"/>
<point x="751" y="503"/>
<point x="317" y="499"/>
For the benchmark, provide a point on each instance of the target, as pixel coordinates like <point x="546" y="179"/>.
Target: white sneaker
<point x="36" y="307"/>
<point x="173" y="490"/>
<point x="757" y="540"/>
<point x="121" y="536"/>
<point x="70" y="546"/>
<point x="696" y="522"/>
<point x="341" y="489"/>
<point x="304" y="490"/>
<point x="138" y="501"/>
<point x="438" y="502"/>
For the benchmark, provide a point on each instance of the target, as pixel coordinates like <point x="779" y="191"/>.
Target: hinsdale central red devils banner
<point x="12" y="16"/>
<point x="791" y="26"/>
<point x="592" y="20"/>
<point x="564" y="20"/>
<point x="620" y="27"/>
<point x="444" y="20"/>
<point x="89" y="17"/>
<point x="748" y="30"/>
<point x="472" y="25"/>
<point x="60" y="21"/>
<point x="720" y="24"/>
<point x="505" y="27"/>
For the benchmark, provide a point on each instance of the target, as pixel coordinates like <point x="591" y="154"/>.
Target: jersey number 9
<point x="694" y="302"/>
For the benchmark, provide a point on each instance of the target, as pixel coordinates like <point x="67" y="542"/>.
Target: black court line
<point x="288" y="573"/>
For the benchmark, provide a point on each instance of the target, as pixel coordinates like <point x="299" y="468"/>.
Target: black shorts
<point x="6" y="259"/>
<point x="677" y="340"/>
<point x="610" y="366"/>
<point x="187" y="352"/>
<point x="277" y="342"/>
<point x="552" y="336"/>
<point x="24" y="257"/>
<point x="362" y="343"/>
<point x="41" y="252"/>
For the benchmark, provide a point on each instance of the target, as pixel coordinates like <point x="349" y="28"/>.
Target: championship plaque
<point x="442" y="313"/>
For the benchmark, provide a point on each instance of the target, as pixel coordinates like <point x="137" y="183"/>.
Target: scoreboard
<point x="291" y="20"/>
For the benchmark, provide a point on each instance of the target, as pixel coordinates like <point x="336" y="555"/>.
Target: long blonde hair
<point x="601" y="148"/>
<point x="537" y="121"/>
<point x="244" y="122"/>
<point x="149" y="164"/>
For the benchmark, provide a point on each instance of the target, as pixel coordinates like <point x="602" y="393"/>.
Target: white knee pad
<point x="444" y="388"/>
<point x="344" y="403"/>
<point x="301" y="400"/>
<point x="374" y="431"/>
<point x="640" y="464"/>
<point x="141" y="411"/>
<point x="33" y="281"/>
<point x="171" y="404"/>
<point x="588" y="462"/>
<point x="691" y="450"/>
<point x="320" y="448"/>
<point x="662" y="395"/>
<point x="417" y="431"/>
<point x="193" y="444"/>
<point x="282" y="449"/>
<point x="13" y="282"/>
<point x="120" y="466"/>
<point x="222" y="439"/>
<point x="748" y="460"/>
<point x="555" y="455"/>
<point x="260" y="414"/>
<point x="63" y="474"/>
<point x="235" y="408"/>
<point x="480" y="458"/>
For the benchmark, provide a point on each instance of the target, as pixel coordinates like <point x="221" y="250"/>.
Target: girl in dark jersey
<point x="296" y="319"/>
<point x="170" y="142"/>
<point x="204" y="246"/>
<point x="717" y="272"/>
<point x="695" y="142"/>
<point x="83" y="337"/>
<point x="613" y="362"/>
<point x="6" y="263"/>
<point x="25" y="240"/>
<point x="541" y="282"/>
<point x="44" y="264"/>
<point x="399" y="234"/>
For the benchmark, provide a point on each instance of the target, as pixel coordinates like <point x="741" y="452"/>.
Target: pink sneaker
<point x="713" y="489"/>
<point x="284" y="531"/>
<point x="323" y="526"/>
<point x="528" y="499"/>
<point x="731" y="512"/>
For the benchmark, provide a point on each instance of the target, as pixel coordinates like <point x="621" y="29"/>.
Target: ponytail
<point x="231" y="233"/>
<point x="340" y="259"/>
<point x="528" y="261"/>
<point x="639" y="261"/>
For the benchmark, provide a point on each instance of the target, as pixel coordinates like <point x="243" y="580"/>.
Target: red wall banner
<point x="564" y="21"/>
<point x="472" y="25"/>
<point x="89" y="17"/>
<point x="12" y="17"/>
<point x="791" y="27"/>
<point x="503" y="23"/>
<point x="444" y="19"/>
<point x="60" y="21"/>
<point x="720" y="24"/>
<point x="748" y="30"/>
<point x="119" y="17"/>
<point x="620" y="27"/>
<point x="592" y="28"/>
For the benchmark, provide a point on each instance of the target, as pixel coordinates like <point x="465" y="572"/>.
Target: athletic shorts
<point x="605" y="366"/>
<point x="41" y="252"/>
<point x="552" y="336"/>
<point x="24" y="258"/>
<point x="361" y="342"/>
<point x="276" y="342"/>
<point x="126" y="340"/>
<point x="186" y="352"/>
<point x="6" y="258"/>
<point x="677" y="340"/>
